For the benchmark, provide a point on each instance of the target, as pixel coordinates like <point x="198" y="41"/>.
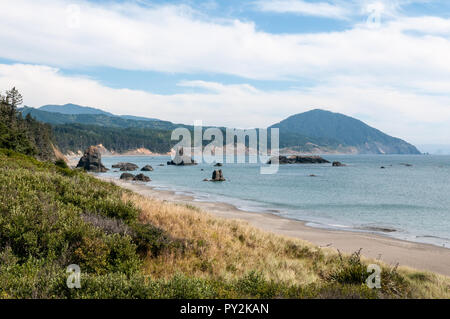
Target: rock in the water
<point x="181" y="159"/>
<point x="218" y="164"/>
<point x="217" y="176"/>
<point x="406" y="164"/>
<point x="312" y="175"/>
<point x="338" y="164"/>
<point x="297" y="159"/>
<point x="205" y="180"/>
<point x="147" y="168"/>
<point x="92" y="160"/>
<point x="382" y="167"/>
<point x="126" y="166"/>
<point x="161" y="165"/>
<point x="127" y="176"/>
<point x="142" y="178"/>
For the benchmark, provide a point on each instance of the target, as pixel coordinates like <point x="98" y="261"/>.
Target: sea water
<point x="410" y="202"/>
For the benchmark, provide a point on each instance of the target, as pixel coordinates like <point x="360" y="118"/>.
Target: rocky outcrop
<point x="147" y="168"/>
<point x="217" y="176"/>
<point x="127" y="176"/>
<point x="141" y="178"/>
<point x="126" y="166"/>
<point x="338" y="164"/>
<point x="181" y="160"/>
<point x="92" y="161"/>
<point x="298" y="159"/>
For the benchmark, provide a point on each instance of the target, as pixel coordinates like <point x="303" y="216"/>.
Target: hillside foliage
<point x="24" y="135"/>
<point x="73" y="137"/>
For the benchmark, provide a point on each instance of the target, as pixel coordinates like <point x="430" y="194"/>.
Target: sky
<point x="236" y="63"/>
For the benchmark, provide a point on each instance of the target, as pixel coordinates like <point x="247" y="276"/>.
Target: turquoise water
<point x="411" y="203"/>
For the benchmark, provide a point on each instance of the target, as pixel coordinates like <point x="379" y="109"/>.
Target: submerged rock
<point x="298" y="159"/>
<point x="127" y="176"/>
<point x="92" y="160"/>
<point x="126" y="166"/>
<point x="338" y="164"/>
<point x="141" y="178"/>
<point x="147" y="168"/>
<point x="218" y="164"/>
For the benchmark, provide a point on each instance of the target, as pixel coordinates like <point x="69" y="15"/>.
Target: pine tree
<point x="14" y="98"/>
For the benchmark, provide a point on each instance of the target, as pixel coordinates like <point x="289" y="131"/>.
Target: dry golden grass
<point x="227" y="249"/>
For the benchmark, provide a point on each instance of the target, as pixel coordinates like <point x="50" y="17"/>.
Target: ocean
<point x="405" y="202"/>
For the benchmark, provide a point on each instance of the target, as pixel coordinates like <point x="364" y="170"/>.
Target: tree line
<point x="23" y="135"/>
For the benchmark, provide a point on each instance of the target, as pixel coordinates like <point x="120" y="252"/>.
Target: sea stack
<point x="217" y="176"/>
<point x="92" y="161"/>
<point x="181" y="159"/>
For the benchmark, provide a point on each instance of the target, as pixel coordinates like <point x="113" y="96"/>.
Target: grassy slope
<point x="133" y="247"/>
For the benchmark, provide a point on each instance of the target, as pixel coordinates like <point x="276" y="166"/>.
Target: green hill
<point x="102" y="119"/>
<point x="74" y="137"/>
<point x="73" y="109"/>
<point x="343" y="130"/>
<point x="316" y="131"/>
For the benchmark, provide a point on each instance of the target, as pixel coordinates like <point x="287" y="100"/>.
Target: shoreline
<point x="390" y="250"/>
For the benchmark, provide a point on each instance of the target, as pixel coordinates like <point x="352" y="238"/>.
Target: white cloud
<point x="417" y="118"/>
<point x="176" y="39"/>
<point x="318" y="9"/>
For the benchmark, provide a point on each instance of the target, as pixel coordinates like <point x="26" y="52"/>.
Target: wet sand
<point x="389" y="250"/>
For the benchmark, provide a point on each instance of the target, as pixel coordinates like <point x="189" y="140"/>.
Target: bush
<point x="61" y="163"/>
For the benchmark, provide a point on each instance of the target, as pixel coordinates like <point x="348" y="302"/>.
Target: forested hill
<point x="73" y="109"/>
<point x="74" y="137"/>
<point x="344" y="130"/>
<point x="76" y="128"/>
<point x="100" y="119"/>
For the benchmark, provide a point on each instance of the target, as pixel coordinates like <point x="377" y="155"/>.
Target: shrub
<point x="61" y="163"/>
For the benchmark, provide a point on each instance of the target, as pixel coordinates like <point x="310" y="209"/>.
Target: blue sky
<point x="237" y="63"/>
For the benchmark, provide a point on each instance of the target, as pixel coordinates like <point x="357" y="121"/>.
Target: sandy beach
<point x="389" y="250"/>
